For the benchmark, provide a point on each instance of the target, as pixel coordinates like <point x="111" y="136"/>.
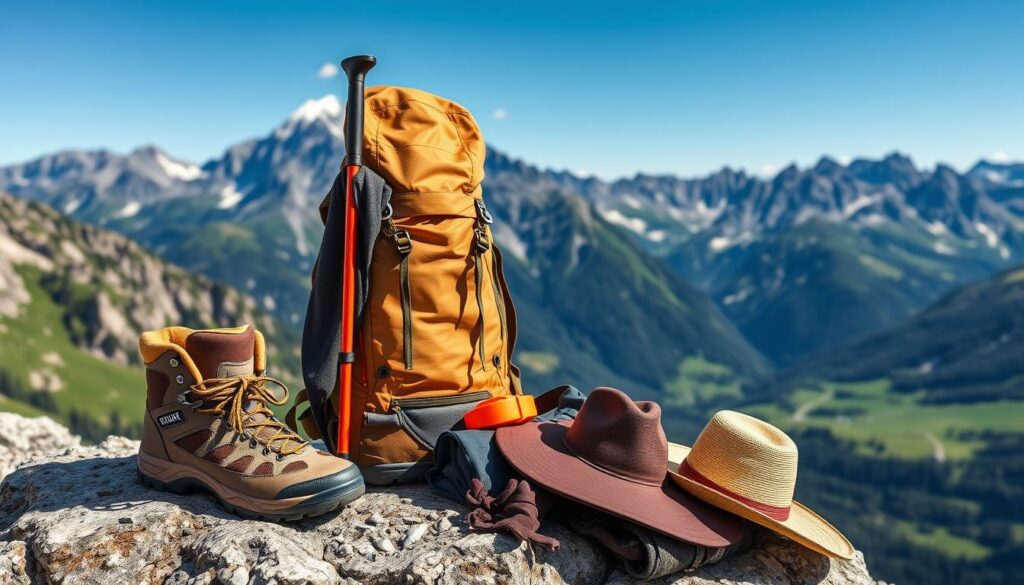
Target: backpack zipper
<point x="363" y="376"/>
<point x="432" y="401"/>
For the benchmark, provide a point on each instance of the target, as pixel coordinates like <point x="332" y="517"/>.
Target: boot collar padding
<point x="153" y="344"/>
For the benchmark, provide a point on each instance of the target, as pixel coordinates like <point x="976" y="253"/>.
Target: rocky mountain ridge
<point x="816" y="257"/>
<point x="845" y="250"/>
<point x="249" y="218"/>
<point x="110" y="288"/>
<point x="79" y="515"/>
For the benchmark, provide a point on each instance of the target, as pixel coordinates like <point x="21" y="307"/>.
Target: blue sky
<point x="614" y="88"/>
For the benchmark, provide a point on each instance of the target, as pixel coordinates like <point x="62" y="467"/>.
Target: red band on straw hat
<point x="779" y="513"/>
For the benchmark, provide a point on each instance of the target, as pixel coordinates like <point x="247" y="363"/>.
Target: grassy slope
<point x="701" y="381"/>
<point x="91" y="385"/>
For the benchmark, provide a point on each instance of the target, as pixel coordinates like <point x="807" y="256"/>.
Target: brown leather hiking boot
<point x="208" y="427"/>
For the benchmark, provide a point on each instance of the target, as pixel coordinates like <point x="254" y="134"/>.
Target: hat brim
<point x="803" y="525"/>
<point x="538" y="452"/>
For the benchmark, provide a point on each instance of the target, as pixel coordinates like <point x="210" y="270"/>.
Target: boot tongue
<point x="222" y="354"/>
<point x="225" y="354"/>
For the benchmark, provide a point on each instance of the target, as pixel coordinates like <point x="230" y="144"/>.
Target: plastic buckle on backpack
<point x="482" y="244"/>
<point x="501" y="411"/>
<point x="403" y="241"/>
<point x="485" y="215"/>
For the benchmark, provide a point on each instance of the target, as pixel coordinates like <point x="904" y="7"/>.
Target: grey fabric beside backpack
<point x="462" y="455"/>
<point x="321" y="335"/>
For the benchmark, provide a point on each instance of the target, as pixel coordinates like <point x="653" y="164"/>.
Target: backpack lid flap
<point x="421" y="143"/>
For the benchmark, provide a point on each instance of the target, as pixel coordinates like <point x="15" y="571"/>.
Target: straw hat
<point x="612" y="458"/>
<point x="748" y="467"/>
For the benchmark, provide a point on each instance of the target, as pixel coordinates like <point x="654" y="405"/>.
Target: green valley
<point x="886" y="423"/>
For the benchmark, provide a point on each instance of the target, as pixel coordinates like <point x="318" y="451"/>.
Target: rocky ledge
<point x="79" y="515"/>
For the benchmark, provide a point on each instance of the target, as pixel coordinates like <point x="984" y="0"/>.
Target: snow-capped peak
<point x="177" y="169"/>
<point x="328" y="107"/>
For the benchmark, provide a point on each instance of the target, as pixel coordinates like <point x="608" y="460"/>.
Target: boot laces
<point x="230" y="396"/>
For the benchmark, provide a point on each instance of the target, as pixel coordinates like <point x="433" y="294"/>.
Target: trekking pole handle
<point x="355" y="68"/>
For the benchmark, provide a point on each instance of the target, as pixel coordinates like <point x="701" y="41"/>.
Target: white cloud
<point x="500" y="114"/>
<point x="844" y="159"/>
<point x="327" y="71"/>
<point x="768" y="170"/>
<point x="1000" y="156"/>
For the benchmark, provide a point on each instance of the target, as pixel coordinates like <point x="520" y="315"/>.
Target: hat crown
<point x="748" y="457"/>
<point x="620" y="436"/>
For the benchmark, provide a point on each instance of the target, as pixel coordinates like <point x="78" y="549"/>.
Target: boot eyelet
<point x="253" y="443"/>
<point x="243" y="438"/>
<point x="383" y="372"/>
<point x="280" y="457"/>
<point x="496" y="360"/>
<point x="179" y="379"/>
<point x="266" y="451"/>
<point x="174" y="362"/>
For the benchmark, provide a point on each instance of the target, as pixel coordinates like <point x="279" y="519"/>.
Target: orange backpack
<point x="438" y="329"/>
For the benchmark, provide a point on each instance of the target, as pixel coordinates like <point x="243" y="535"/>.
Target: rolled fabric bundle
<point x="646" y="554"/>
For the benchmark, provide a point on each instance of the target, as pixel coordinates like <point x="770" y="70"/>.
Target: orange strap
<point x="501" y="411"/>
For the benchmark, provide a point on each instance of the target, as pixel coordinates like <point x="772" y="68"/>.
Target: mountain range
<point x="249" y="218"/>
<point x="799" y="263"/>
<point x="813" y="258"/>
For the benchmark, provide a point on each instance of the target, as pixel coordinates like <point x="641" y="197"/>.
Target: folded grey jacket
<point x="464" y="455"/>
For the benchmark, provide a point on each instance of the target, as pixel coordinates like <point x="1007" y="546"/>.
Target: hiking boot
<point x="208" y="426"/>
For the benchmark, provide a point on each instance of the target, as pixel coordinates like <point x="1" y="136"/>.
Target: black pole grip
<point x="355" y="69"/>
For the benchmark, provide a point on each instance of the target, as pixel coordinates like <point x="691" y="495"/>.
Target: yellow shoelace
<point x="231" y="395"/>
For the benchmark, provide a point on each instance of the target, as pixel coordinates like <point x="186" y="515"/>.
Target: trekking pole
<point x="355" y="69"/>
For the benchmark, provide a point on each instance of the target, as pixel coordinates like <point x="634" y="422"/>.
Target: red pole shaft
<point x="355" y="68"/>
<point x="348" y="299"/>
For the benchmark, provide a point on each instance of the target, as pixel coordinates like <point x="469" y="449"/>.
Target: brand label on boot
<point x="171" y="418"/>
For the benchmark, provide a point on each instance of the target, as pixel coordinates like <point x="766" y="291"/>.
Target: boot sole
<point x="179" y="479"/>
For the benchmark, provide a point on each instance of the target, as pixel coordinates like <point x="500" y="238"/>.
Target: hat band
<point x="780" y="513"/>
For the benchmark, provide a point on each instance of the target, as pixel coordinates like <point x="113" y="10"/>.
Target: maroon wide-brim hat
<point x="614" y="457"/>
